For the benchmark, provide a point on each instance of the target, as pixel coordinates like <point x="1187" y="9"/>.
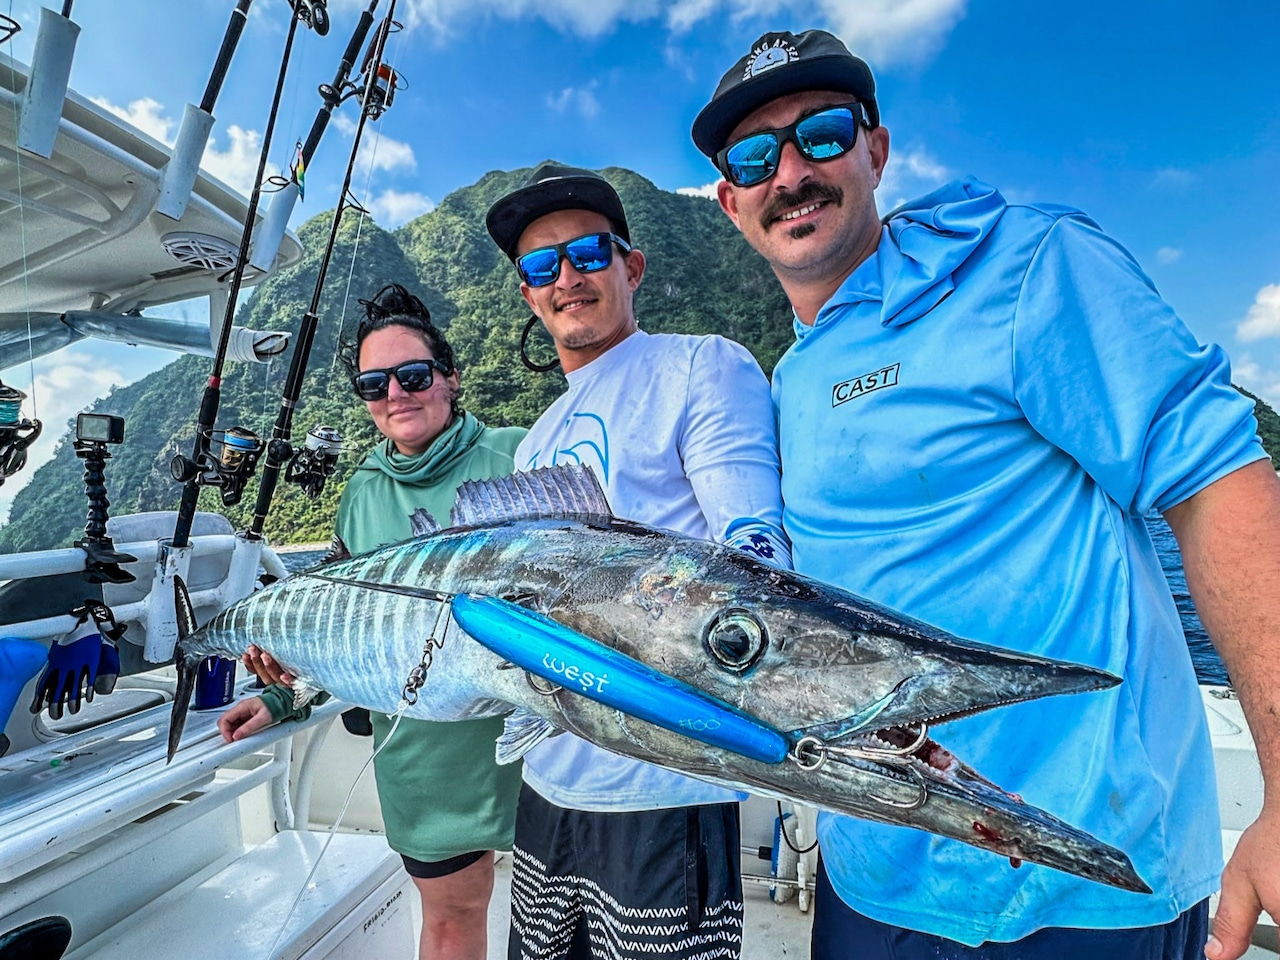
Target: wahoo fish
<point x="795" y="689"/>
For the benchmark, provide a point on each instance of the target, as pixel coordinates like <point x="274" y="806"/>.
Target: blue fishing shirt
<point x="971" y="432"/>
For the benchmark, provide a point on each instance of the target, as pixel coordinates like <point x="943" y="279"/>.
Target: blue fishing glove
<point x="83" y="662"/>
<point x="20" y="660"/>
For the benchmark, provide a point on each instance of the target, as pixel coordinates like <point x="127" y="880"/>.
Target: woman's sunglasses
<point x="414" y="376"/>
<point x="820" y="136"/>
<point x="587" y="254"/>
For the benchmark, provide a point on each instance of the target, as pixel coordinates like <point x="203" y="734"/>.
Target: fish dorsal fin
<point x="521" y="732"/>
<point x="569" y="490"/>
<point x="422" y="523"/>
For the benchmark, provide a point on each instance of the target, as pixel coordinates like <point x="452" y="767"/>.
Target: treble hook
<point x="921" y="797"/>
<point x="811" y="752"/>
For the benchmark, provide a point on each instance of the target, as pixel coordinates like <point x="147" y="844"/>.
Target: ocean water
<point x="1209" y="669"/>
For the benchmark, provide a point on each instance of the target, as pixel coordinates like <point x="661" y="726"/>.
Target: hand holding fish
<point x="264" y="666"/>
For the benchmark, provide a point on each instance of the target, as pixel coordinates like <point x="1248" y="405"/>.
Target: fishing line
<point x="396" y="717"/>
<point x="22" y="232"/>
<point x="351" y="267"/>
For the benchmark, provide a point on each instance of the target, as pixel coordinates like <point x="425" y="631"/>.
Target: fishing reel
<point x="94" y="431"/>
<point x="378" y="91"/>
<point x="16" y="432"/>
<point x="313" y="13"/>
<point x="227" y="460"/>
<point x="313" y="464"/>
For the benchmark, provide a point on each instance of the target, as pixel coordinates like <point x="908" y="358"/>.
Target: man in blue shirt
<point x="983" y="401"/>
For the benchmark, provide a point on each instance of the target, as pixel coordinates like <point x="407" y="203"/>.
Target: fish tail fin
<point x="185" y="665"/>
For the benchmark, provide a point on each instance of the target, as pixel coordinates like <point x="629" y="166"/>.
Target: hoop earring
<point x="524" y="357"/>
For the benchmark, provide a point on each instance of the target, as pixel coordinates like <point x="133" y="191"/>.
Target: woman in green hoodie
<point x="446" y="803"/>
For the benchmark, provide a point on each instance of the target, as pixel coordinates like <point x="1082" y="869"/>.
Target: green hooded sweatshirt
<point x="442" y="794"/>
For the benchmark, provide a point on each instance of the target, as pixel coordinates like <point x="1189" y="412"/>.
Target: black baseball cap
<point x="779" y="64"/>
<point x="552" y="187"/>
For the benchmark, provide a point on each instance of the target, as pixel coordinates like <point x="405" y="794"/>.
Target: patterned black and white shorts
<point x="625" y="886"/>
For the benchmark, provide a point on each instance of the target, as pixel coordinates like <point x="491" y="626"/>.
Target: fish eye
<point x="736" y="638"/>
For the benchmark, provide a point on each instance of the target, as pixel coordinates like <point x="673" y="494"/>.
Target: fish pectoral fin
<point x="303" y="694"/>
<point x="521" y="732"/>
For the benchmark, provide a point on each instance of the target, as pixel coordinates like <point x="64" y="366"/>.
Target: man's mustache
<point x="781" y="202"/>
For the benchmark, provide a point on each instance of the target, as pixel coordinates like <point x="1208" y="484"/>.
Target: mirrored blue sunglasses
<point x="820" y="136"/>
<point x="587" y="254"/>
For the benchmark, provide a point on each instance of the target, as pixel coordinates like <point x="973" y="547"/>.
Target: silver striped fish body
<point x="334" y="630"/>
<point x="813" y="662"/>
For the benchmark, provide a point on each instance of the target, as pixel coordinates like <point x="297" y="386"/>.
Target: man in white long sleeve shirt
<point x="615" y="857"/>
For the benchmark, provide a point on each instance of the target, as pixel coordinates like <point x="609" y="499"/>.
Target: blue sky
<point x="1159" y="119"/>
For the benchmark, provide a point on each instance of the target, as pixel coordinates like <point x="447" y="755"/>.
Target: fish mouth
<point x="912" y="780"/>
<point x="907" y="778"/>
<point x="949" y="680"/>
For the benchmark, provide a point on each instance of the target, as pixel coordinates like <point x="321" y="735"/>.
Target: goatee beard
<point x="807" y="194"/>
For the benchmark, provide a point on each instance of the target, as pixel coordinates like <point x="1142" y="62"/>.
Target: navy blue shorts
<point x="840" y="933"/>
<point x="627" y="886"/>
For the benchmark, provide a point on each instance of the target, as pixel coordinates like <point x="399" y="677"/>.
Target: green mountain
<point x="701" y="277"/>
<point x="1268" y="426"/>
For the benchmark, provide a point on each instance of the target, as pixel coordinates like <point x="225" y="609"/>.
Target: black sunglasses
<point x="414" y="376"/>
<point x="588" y="254"/>
<point x="820" y="136"/>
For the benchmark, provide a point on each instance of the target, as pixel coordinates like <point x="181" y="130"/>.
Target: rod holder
<point x="184" y="163"/>
<point x="42" y="99"/>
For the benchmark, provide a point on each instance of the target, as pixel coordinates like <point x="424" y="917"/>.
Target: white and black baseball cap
<point x="776" y="65"/>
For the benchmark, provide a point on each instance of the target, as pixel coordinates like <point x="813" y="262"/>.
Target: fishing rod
<point x="310" y="464"/>
<point x="184" y="162"/>
<point x="269" y="235"/>
<point x="225" y="458"/>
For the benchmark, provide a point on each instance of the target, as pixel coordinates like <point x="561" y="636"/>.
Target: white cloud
<point x="1263" y="318"/>
<point x="883" y="31"/>
<point x="1168" y="255"/>
<point x="706" y="190"/>
<point x="908" y="174"/>
<point x="65" y="384"/>
<point x="391" y="208"/>
<point x="145" y="114"/>
<point x="586" y="18"/>
<point x="237" y="165"/>
<point x="890" y="31"/>
<point x="579" y="100"/>
<point x="377" y="152"/>
<point x="684" y="14"/>
<point x="1173" y="177"/>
